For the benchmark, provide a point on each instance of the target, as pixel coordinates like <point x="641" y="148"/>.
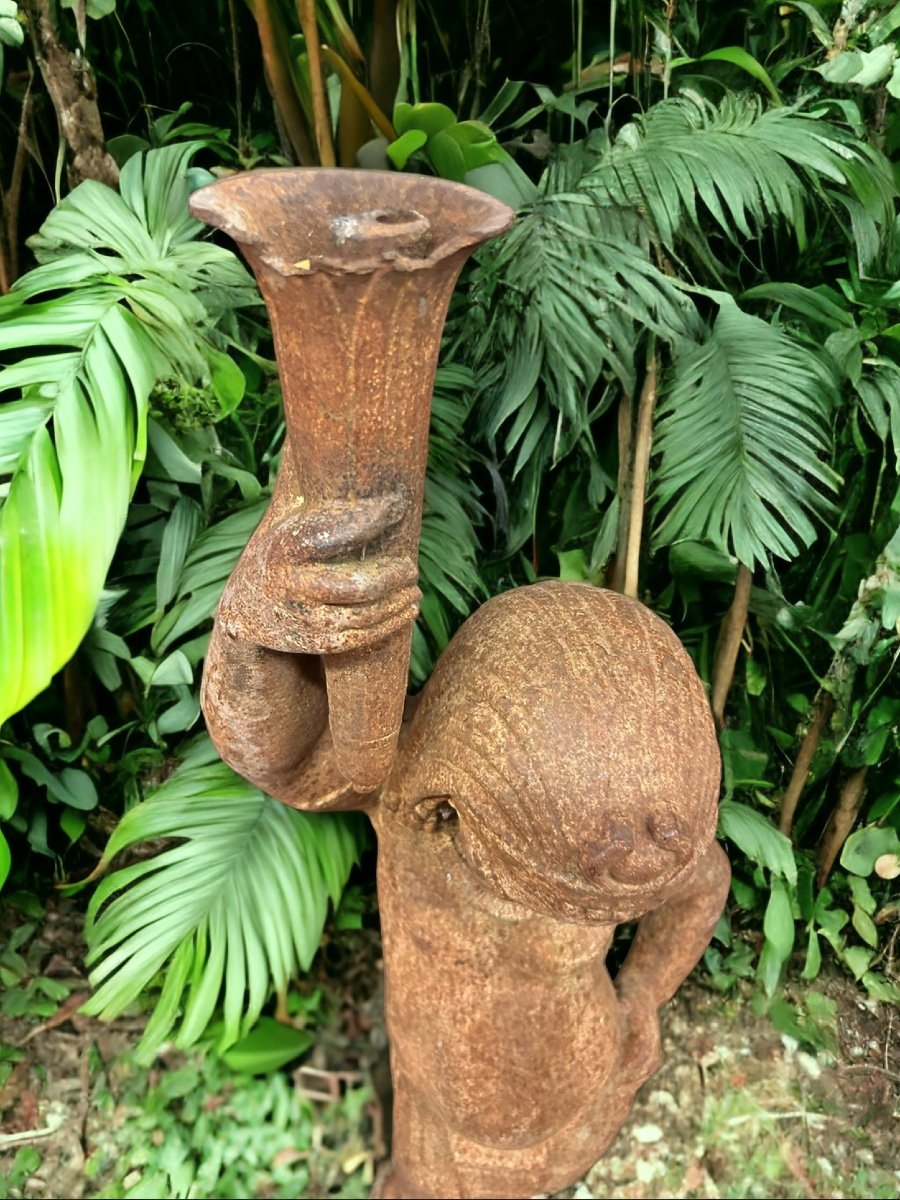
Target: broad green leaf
<point x="883" y="26"/>
<point x="430" y="118"/>
<point x="736" y="56"/>
<point x="778" y="927"/>
<point x="446" y="156"/>
<point x="400" y="151"/>
<point x="268" y="1047"/>
<point x="758" y="838"/>
<point x="863" y="847"/>
<point x="178" y="536"/>
<point x="5" y="860"/>
<point x="862" y="68"/>
<point x="813" y="964"/>
<point x="72" y="824"/>
<point x="9" y="792"/>
<point x="842" y="68"/>
<point x="858" y="959"/>
<point x="174" y="669"/>
<point x="817" y="22"/>
<point x="120" y="284"/>
<point x="865" y="927"/>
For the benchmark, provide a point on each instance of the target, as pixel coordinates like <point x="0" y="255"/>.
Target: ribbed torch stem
<point x="357" y="269"/>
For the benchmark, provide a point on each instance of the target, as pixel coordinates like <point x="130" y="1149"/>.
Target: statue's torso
<point x="506" y="1024"/>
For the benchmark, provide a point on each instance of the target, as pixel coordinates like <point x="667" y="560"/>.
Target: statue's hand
<point x="306" y="584"/>
<point x="639" y="1055"/>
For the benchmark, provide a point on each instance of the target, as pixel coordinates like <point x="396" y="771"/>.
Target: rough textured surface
<point x="357" y="269"/>
<point x="557" y="776"/>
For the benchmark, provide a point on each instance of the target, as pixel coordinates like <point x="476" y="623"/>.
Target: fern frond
<point x="235" y="907"/>
<point x="743" y="437"/>
<point x="688" y="162"/>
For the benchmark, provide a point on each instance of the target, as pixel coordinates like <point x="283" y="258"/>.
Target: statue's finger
<point x="363" y="582"/>
<point x="333" y="528"/>
<point x="330" y="629"/>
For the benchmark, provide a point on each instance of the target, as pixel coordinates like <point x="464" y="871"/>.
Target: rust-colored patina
<point x="557" y="776"/>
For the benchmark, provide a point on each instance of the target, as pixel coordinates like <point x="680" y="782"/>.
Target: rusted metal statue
<point x="557" y="776"/>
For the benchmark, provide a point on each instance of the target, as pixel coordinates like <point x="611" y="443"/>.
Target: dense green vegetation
<point x="678" y="375"/>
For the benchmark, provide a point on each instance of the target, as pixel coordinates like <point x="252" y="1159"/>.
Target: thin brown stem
<point x="321" y="118"/>
<point x="640" y="467"/>
<point x="4" y="270"/>
<point x="840" y="823"/>
<point x="623" y="489"/>
<point x="14" y="195"/>
<point x="273" y="40"/>
<point x="236" y="71"/>
<point x="729" y="644"/>
<point x="823" y="709"/>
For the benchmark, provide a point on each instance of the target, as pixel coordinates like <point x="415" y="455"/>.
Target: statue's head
<point x="565" y="743"/>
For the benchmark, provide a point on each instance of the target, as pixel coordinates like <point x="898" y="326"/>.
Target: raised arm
<point x="670" y="940"/>
<point x="293" y="597"/>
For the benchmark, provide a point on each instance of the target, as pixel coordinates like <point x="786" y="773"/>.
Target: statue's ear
<point x="435" y="811"/>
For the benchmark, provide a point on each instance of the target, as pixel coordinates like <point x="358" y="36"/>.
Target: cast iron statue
<point x="557" y="776"/>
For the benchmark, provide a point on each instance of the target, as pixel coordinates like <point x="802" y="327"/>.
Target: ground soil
<point x="739" y="1107"/>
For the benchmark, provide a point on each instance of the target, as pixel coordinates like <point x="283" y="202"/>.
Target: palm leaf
<point x="115" y="305"/>
<point x="742" y="432"/>
<point x="688" y="161"/>
<point x="234" y="908"/>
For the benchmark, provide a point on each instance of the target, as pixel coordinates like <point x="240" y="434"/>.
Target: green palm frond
<point x="117" y="303"/>
<point x="567" y="297"/>
<point x="688" y="162"/>
<point x="449" y="547"/>
<point x="560" y="305"/>
<point x="233" y="908"/>
<point x="742" y="435"/>
<point x="879" y="393"/>
<point x="208" y="563"/>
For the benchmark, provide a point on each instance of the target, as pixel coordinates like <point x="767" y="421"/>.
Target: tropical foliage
<point x="677" y="375"/>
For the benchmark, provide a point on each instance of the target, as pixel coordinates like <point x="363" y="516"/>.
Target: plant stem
<point x="281" y="82"/>
<point x="350" y="84"/>
<point x="729" y="644"/>
<point x="321" y="117"/>
<point x="73" y="93"/>
<point x="841" y="821"/>
<point x="384" y="56"/>
<point x="14" y="195"/>
<point x="823" y="708"/>
<point x="623" y="490"/>
<point x="640" y="465"/>
<point x="236" y="69"/>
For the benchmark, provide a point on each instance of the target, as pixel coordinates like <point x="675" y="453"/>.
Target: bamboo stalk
<point x="729" y="644"/>
<point x="362" y="93"/>
<point x="306" y="10"/>
<point x="841" y="821"/>
<point x="384" y="55"/>
<point x="281" y="82"/>
<point x="823" y="708"/>
<point x="639" y="469"/>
